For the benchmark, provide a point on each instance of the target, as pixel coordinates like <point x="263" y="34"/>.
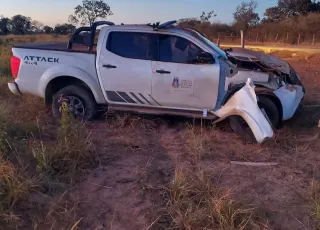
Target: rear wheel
<point x="78" y="101"/>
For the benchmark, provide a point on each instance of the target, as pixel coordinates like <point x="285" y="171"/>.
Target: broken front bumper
<point x="290" y="97"/>
<point x="244" y="103"/>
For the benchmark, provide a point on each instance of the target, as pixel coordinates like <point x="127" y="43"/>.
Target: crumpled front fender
<point x="244" y="103"/>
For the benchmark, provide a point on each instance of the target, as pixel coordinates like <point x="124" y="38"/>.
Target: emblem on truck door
<point x="175" y="83"/>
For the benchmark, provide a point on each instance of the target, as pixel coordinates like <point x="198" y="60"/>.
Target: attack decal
<point x="34" y="60"/>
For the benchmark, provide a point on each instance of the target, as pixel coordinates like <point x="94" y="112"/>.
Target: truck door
<point x="124" y="67"/>
<point x="178" y="81"/>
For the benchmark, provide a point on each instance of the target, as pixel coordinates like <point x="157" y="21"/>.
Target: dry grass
<point x="14" y="187"/>
<point x="61" y="213"/>
<point x="73" y="149"/>
<point x="36" y="156"/>
<point x="195" y="202"/>
<point x="198" y="143"/>
<point x="123" y="120"/>
<point x="315" y="205"/>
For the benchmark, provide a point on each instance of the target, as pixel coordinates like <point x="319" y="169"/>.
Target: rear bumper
<point x="14" y="88"/>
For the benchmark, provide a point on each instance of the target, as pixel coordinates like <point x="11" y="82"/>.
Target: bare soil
<point x="137" y="158"/>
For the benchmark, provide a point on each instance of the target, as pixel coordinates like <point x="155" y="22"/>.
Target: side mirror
<point x="205" y="58"/>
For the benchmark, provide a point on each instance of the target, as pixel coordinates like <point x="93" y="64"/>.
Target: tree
<point x="206" y="17"/>
<point x="21" y="24"/>
<point x="294" y="7"/>
<point x="90" y="11"/>
<point x="273" y="14"/>
<point x="5" y="25"/>
<point x="290" y="8"/>
<point x="64" y="28"/>
<point x="47" y="29"/>
<point x="36" y="26"/>
<point x="245" y="16"/>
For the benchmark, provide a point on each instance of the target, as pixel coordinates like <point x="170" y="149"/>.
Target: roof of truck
<point x="132" y="27"/>
<point x="166" y="26"/>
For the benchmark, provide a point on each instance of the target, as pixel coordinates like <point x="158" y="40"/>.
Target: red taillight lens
<point x="15" y="65"/>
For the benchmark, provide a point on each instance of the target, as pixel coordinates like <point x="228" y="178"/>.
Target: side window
<point x="133" y="45"/>
<point x="177" y="49"/>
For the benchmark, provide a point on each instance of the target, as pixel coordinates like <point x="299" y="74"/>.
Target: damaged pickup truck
<point x="158" y="69"/>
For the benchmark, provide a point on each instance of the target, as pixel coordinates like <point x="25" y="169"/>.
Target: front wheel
<point x="79" y="102"/>
<point x="270" y="110"/>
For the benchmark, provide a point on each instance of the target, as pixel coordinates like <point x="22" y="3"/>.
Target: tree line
<point x="21" y="25"/>
<point x="293" y="17"/>
<point x="86" y="13"/>
<point x="290" y="20"/>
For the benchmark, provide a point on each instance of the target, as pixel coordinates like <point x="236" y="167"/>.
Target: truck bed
<point x="54" y="46"/>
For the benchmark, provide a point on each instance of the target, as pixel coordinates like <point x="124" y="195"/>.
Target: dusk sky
<point x="52" y="12"/>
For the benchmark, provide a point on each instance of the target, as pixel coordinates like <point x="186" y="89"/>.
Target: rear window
<point x="133" y="45"/>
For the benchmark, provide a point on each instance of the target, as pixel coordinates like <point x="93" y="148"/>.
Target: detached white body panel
<point x="244" y="103"/>
<point x="290" y="97"/>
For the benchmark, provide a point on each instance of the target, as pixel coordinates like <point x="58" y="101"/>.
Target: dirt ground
<point x="138" y="158"/>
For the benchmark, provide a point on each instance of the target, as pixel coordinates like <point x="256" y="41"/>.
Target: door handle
<point x="163" y="71"/>
<point x="109" y="66"/>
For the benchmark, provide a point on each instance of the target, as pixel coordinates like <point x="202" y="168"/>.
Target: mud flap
<point x="244" y="103"/>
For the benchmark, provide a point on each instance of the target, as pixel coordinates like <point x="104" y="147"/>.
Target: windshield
<point x="208" y="42"/>
<point x="213" y="46"/>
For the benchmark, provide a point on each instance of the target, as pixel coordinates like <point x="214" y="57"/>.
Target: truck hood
<point x="254" y="56"/>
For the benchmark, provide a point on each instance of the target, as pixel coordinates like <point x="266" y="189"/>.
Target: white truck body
<point x="161" y="83"/>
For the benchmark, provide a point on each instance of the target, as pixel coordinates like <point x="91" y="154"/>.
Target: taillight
<point x="15" y="65"/>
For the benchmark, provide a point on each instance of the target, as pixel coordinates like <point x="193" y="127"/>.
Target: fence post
<point x="257" y="37"/>
<point x="287" y="38"/>
<point x="218" y="42"/>
<point x="299" y="39"/>
<point x="276" y="37"/>
<point x="313" y="39"/>
<point x="242" y="39"/>
<point x="265" y="37"/>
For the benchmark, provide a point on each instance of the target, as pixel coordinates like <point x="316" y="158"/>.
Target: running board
<point x="161" y="111"/>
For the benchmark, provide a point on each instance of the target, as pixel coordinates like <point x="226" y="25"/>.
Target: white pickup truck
<point x="158" y="69"/>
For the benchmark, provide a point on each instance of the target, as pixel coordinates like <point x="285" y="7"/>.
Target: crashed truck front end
<point x="271" y="75"/>
<point x="256" y="74"/>
<point x="244" y="103"/>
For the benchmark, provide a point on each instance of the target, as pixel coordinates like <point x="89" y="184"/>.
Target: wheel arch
<point x="57" y="77"/>
<point x="57" y="83"/>
<point x="260" y="91"/>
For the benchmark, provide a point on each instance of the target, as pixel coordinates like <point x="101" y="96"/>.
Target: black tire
<point x="83" y="104"/>
<point x="271" y="110"/>
<point x="240" y="127"/>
